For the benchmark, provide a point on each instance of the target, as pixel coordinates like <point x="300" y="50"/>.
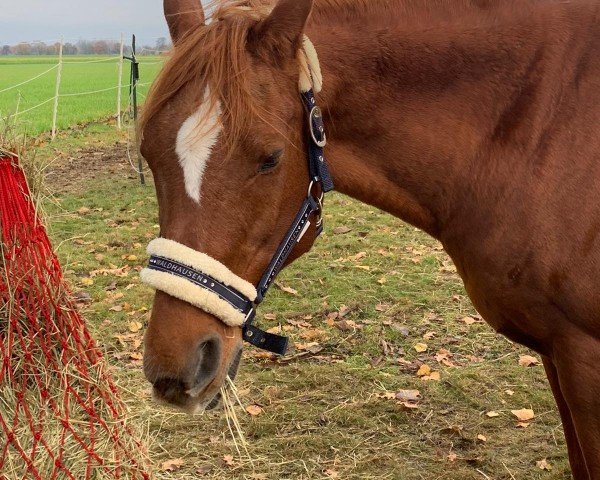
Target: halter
<point x="206" y="283"/>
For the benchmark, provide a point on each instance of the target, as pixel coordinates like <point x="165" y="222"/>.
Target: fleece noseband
<point x="209" y="285"/>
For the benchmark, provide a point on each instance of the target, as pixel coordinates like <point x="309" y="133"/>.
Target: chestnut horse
<point x="475" y="120"/>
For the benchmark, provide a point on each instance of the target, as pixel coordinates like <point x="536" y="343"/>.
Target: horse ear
<point x="280" y="34"/>
<point x="183" y="17"/>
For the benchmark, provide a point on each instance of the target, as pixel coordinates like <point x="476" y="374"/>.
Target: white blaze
<point x="195" y="141"/>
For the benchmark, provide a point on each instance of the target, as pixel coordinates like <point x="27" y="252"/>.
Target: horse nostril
<point x="200" y="372"/>
<point x="207" y="365"/>
<point x="171" y="390"/>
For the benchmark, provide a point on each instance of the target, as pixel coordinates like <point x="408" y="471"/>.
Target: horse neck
<point x="414" y="110"/>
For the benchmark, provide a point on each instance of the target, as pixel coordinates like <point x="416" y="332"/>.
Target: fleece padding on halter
<point x="311" y="77"/>
<point x="193" y="292"/>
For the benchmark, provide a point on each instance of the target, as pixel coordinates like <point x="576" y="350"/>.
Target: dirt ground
<point x="86" y="165"/>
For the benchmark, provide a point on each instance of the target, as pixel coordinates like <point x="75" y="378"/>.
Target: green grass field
<point x="373" y="306"/>
<point x="78" y="76"/>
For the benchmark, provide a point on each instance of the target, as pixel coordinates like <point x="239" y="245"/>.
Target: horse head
<point x="223" y="132"/>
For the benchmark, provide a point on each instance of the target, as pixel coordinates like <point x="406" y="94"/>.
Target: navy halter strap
<point x="320" y="182"/>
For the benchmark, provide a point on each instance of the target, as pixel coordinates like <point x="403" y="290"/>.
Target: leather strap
<point x="292" y="238"/>
<point x="317" y="139"/>
<point x="236" y="299"/>
<point x="265" y="340"/>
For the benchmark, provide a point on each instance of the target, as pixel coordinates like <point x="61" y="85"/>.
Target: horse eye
<point x="270" y="162"/>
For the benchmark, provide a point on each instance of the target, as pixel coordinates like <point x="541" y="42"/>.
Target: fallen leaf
<point x="286" y="289"/>
<point x="435" y="376"/>
<point x="424" y="370"/>
<point x="132" y="258"/>
<point x="400" y="329"/>
<point x="228" y="459"/>
<point x="314" y="334"/>
<point x="408" y="395"/>
<point x="492" y="414"/>
<point x="254" y="410"/>
<point x="443" y="356"/>
<point x="469" y="320"/>
<point x="452" y="457"/>
<point x="270" y="316"/>
<point x="172" y="465"/>
<point x="429" y="336"/>
<point x="204" y="469"/>
<point x="420" y="347"/>
<point x="332" y="473"/>
<point x="341" y="230"/>
<point x="524" y="414"/>
<point x="82" y="297"/>
<point x="135" y="326"/>
<point x="116" y="308"/>
<point x="312" y="347"/>
<point x="86" y="281"/>
<point x="528" y="361"/>
<point x="346" y="325"/>
<point x="482" y="438"/>
<point x="543" y="465"/>
<point x="83" y="211"/>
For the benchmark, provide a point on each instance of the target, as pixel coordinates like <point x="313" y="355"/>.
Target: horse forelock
<point x="213" y="60"/>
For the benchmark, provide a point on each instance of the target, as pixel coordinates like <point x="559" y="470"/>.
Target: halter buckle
<point x="317" y="127"/>
<point x="319" y="200"/>
<point x="249" y="316"/>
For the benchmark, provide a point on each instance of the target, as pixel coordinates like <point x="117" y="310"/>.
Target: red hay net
<point x="61" y="416"/>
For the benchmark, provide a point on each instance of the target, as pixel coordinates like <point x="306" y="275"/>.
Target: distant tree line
<point x="82" y="47"/>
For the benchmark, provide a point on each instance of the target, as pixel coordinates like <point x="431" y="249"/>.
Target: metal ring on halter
<point x="316" y="113"/>
<point x="310" y="188"/>
<point x="249" y="315"/>
<point x="321" y="197"/>
<point x="318" y="199"/>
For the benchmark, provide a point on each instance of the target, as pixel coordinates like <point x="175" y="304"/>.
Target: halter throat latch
<point x="311" y="210"/>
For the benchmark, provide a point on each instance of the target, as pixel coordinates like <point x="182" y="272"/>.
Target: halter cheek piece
<point x="207" y="284"/>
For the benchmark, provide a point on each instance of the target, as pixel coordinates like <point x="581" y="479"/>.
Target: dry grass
<point x="52" y="381"/>
<point x="59" y="414"/>
<point x="15" y="144"/>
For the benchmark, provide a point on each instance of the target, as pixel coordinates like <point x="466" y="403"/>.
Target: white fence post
<point x="57" y="91"/>
<point x="120" y="84"/>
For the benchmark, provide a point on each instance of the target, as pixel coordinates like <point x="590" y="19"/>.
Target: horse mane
<point x="214" y="56"/>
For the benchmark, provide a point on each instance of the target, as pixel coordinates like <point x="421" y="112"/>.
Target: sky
<point x="48" y="20"/>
